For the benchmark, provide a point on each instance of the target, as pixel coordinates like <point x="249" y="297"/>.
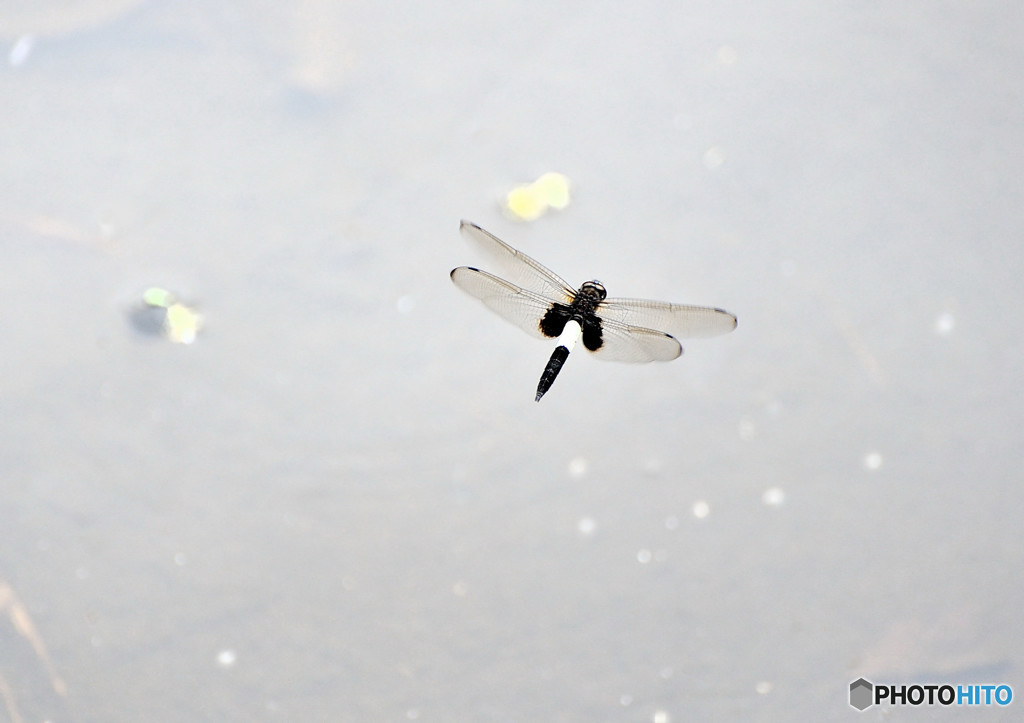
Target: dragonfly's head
<point x="594" y="289"/>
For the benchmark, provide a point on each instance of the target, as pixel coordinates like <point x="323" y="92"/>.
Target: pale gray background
<point x="342" y="502"/>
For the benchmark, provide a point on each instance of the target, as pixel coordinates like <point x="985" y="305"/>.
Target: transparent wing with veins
<point x="679" y="320"/>
<point x="517" y="267"/>
<point x="512" y="303"/>
<point x="635" y="344"/>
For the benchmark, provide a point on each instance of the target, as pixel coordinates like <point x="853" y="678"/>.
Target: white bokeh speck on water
<point x="945" y="324"/>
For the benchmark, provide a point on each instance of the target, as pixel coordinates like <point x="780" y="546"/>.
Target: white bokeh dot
<point x="577" y="467"/>
<point x="945" y="324"/>
<point x="21" y="50"/>
<point x="586" y="526"/>
<point x="713" y="158"/>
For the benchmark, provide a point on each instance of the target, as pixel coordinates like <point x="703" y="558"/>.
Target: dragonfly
<point x="542" y="304"/>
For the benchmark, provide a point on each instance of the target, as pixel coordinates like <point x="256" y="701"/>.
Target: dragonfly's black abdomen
<point x="558" y="357"/>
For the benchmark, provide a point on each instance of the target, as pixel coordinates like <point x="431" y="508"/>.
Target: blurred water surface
<point x="341" y="502"/>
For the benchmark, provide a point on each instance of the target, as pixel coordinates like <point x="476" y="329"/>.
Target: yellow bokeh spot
<point x="553" y="188"/>
<point x="530" y="201"/>
<point x="182" y="324"/>
<point x="524" y="204"/>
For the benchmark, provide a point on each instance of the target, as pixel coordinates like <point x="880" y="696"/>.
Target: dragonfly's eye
<point x="595" y="289"/>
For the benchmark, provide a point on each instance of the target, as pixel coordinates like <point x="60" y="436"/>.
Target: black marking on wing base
<point x="558" y="357"/>
<point x="554" y="321"/>
<point x="593" y="337"/>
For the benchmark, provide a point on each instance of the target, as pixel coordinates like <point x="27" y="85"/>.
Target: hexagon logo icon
<point x="860" y="694"/>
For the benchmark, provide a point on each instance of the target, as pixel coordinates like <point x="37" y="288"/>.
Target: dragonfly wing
<point x="625" y="343"/>
<point x="516" y="266"/>
<point x="679" y="320"/>
<point x="523" y="308"/>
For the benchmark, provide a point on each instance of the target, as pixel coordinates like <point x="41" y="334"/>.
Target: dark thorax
<point x="583" y="309"/>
